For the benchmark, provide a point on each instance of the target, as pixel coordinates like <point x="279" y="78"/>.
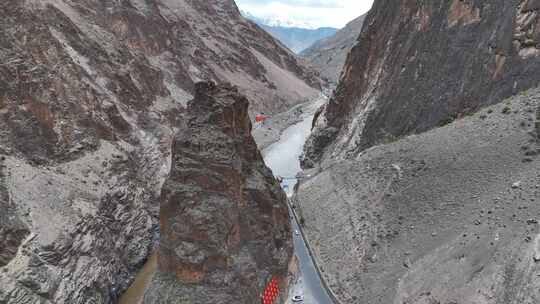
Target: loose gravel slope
<point x="447" y="216"/>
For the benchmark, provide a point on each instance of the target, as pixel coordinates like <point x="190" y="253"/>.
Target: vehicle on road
<point x="297" y="232"/>
<point x="297" y="299"/>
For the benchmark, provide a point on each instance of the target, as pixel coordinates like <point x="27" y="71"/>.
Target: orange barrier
<point x="271" y="292"/>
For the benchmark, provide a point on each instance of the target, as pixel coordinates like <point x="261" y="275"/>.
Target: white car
<point x="297" y="232"/>
<point x="297" y="299"/>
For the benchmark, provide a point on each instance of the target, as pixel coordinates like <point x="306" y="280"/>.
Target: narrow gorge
<point x="173" y="151"/>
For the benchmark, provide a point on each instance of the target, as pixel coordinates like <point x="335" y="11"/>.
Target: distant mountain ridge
<point x="296" y="35"/>
<point x="279" y="21"/>
<point x="328" y="55"/>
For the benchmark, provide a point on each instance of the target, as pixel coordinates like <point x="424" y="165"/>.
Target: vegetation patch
<point x="448" y="120"/>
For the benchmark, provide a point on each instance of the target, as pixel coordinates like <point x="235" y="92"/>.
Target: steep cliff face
<point x="224" y="222"/>
<point x="91" y="93"/>
<point x="83" y="150"/>
<point x="328" y="55"/>
<point x="418" y="65"/>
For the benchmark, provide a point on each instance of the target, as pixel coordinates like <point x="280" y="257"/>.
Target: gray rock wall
<point x="418" y="65"/>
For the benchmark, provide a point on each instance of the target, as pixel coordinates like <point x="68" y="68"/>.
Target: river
<point x="283" y="157"/>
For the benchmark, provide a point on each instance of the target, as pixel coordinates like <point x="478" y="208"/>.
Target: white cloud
<point x="317" y="13"/>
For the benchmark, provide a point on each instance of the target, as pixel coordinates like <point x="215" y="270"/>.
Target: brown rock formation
<point x="224" y="221"/>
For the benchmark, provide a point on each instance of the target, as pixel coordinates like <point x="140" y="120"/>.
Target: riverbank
<point x="270" y="133"/>
<point x="135" y="293"/>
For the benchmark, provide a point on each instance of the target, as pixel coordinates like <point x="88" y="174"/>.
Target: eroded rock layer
<point x="224" y="222"/>
<point x="84" y="125"/>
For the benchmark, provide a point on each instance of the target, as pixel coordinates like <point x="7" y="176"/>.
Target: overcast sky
<point x="318" y="13"/>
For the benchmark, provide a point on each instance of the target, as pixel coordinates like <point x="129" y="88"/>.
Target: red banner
<point x="271" y="292"/>
<point x="260" y="118"/>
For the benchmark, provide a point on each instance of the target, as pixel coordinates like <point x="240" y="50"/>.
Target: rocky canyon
<point x="137" y="166"/>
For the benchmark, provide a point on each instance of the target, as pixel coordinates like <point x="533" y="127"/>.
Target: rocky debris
<point x="537" y="126"/>
<point x="328" y="55"/>
<point x="225" y="228"/>
<point x="223" y="46"/>
<point x="444" y="228"/>
<point x="419" y="65"/>
<point x="80" y="242"/>
<point x="12" y="230"/>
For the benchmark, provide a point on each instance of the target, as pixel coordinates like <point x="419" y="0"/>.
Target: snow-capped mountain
<point x="279" y="21"/>
<point x="295" y="34"/>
